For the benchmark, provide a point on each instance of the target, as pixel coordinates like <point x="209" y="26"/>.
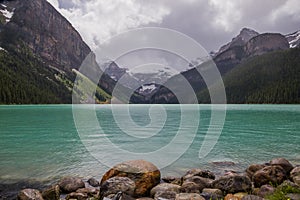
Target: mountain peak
<point x="241" y="39"/>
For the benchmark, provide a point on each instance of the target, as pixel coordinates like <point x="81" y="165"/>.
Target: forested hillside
<point x="269" y="78"/>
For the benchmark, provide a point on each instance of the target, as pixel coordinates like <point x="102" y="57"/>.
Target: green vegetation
<point x="27" y="80"/>
<point x="271" y="78"/>
<point x="281" y="192"/>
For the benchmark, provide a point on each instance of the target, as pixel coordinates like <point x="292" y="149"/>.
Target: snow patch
<point x="293" y="39"/>
<point x="5" y="6"/>
<point x="7" y="14"/>
<point x="147" y="88"/>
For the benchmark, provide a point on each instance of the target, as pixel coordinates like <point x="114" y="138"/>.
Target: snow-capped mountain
<point x="294" y="39"/>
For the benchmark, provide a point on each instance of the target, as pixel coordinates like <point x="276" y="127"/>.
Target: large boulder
<point x="284" y="163"/>
<point x="164" y="187"/>
<point x="117" y="184"/>
<point x="71" y="184"/>
<point x="233" y="184"/>
<point x="144" y="174"/>
<point x="29" y="194"/>
<point x="271" y="174"/>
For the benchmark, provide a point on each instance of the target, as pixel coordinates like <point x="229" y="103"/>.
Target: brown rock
<point x="212" y="194"/>
<point x="295" y="175"/>
<point x="93" y="182"/>
<point x="212" y="191"/>
<point x="52" y="193"/>
<point x="231" y="197"/>
<point x="252" y="169"/>
<point x="284" y="163"/>
<point x="30" y="194"/>
<point x="144" y="198"/>
<point x="91" y="192"/>
<point x="233" y="184"/>
<point x="163" y="187"/>
<point x="143" y="173"/>
<point x="189" y="196"/>
<point x="271" y="174"/>
<point x="71" y="184"/>
<point x="117" y="184"/>
<point x="199" y="172"/>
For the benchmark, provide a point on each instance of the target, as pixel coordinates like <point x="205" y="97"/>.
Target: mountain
<point x="294" y="39"/>
<point x="269" y="78"/>
<point x="232" y="55"/>
<point x="41" y="49"/>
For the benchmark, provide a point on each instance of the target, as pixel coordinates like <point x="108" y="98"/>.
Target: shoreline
<point x="11" y="190"/>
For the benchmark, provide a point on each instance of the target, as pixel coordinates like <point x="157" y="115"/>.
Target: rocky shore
<point x="139" y="179"/>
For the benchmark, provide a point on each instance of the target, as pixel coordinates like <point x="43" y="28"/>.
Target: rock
<point x="240" y="195"/>
<point x="212" y="194"/>
<point x="93" y="182"/>
<point x="143" y="173"/>
<point x="91" y="192"/>
<point x="295" y="175"/>
<point x="252" y="197"/>
<point x="202" y="182"/>
<point x="199" y="172"/>
<point x="71" y="184"/>
<point x="288" y="185"/>
<point x="52" y="193"/>
<point x="117" y="184"/>
<point x="162" y="195"/>
<point x="190" y="187"/>
<point x="293" y="196"/>
<point x="231" y="197"/>
<point x="233" y="184"/>
<point x="173" y="180"/>
<point x="78" y="196"/>
<point x="189" y="196"/>
<point x="265" y="190"/>
<point x="144" y="198"/>
<point x="163" y="187"/>
<point x="284" y="163"/>
<point x="271" y="174"/>
<point x="295" y="172"/>
<point x="253" y="168"/>
<point x="30" y="194"/>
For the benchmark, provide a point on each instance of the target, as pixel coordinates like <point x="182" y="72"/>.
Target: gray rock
<point x="189" y="196"/>
<point x="190" y="187"/>
<point x="93" y="182"/>
<point x="52" y="193"/>
<point x="293" y="196"/>
<point x="164" y="187"/>
<point x="76" y="195"/>
<point x="265" y="190"/>
<point x="202" y="182"/>
<point x="271" y="174"/>
<point x="233" y="184"/>
<point x="250" y="171"/>
<point x="173" y="180"/>
<point x="212" y="194"/>
<point x="199" y="172"/>
<point x="252" y="197"/>
<point x="284" y="163"/>
<point x="71" y="184"/>
<point x="29" y="194"/>
<point x="295" y="175"/>
<point x="161" y="195"/>
<point x="117" y="184"/>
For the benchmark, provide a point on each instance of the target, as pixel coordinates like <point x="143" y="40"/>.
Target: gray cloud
<point x="210" y="22"/>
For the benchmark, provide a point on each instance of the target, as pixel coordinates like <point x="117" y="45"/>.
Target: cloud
<point x="210" y="22"/>
<point x="98" y="20"/>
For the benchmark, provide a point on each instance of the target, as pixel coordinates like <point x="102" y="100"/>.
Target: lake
<point x="41" y="142"/>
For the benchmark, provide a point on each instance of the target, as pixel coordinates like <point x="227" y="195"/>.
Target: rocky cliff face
<point x="265" y="43"/>
<point x="46" y="32"/>
<point x="293" y="39"/>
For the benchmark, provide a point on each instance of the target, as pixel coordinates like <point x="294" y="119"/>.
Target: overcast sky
<point x="212" y="23"/>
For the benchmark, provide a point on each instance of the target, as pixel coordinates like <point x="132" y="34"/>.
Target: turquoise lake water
<point x="42" y="143"/>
